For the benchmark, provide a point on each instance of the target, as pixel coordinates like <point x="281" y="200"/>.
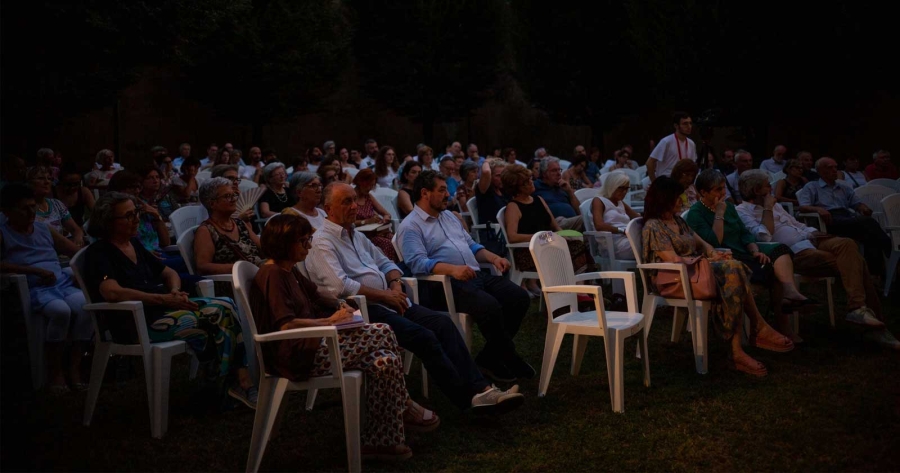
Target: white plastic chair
<point x="472" y="205"/>
<point x="462" y="320"/>
<point x="186" y="217"/>
<point x="601" y="243"/>
<point x="642" y="171"/>
<point x="773" y="178"/>
<point x="351" y="171"/>
<point x="891" y="206"/>
<point x="872" y="195"/>
<point x="889" y="183"/>
<point x="203" y="175"/>
<point x="272" y="388"/>
<point x="587" y="193"/>
<point x="788" y="206"/>
<point x="247" y="184"/>
<point x="387" y="197"/>
<point x="157" y="357"/>
<point x="516" y="276"/>
<point x="698" y="310"/>
<point x="563" y="165"/>
<point x="559" y="285"/>
<point x="35" y="326"/>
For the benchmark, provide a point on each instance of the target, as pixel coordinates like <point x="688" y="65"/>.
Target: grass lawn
<point x="831" y="404"/>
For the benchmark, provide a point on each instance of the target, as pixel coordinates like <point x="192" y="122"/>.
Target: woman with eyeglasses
<point x="30" y="247"/>
<point x="610" y="213"/>
<point x="307" y="187"/>
<point x="76" y="197"/>
<point x="786" y="189"/>
<point x="51" y="211"/>
<point x="623" y="161"/>
<point x="166" y="170"/>
<point x="118" y="268"/>
<point x="222" y="240"/>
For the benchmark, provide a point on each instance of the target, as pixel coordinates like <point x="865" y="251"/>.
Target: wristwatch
<point x="392" y="281"/>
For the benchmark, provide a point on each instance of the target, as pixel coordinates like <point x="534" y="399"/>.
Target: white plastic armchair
<point x="872" y="195"/>
<point x="184" y="218"/>
<point x="698" y="310"/>
<point x="560" y="288"/>
<point x="775" y="177"/>
<point x="891" y="206"/>
<point x="272" y="387"/>
<point x="157" y="357"/>
<point x="247" y="184"/>
<point x="889" y="183"/>
<point x="587" y="194"/>
<point x="462" y="320"/>
<point x="516" y="275"/>
<point x="601" y="243"/>
<point x="186" y="247"/>
<point x="477" y="224"/>
<point x="388" y="199"/>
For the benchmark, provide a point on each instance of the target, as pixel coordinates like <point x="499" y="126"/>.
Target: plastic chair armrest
<point x="523" y="244"/>
<point x="129" y="306"/>
<point x="363" y="308"/>
<point x="298" y="333"/>
<point x="206" y="288"/>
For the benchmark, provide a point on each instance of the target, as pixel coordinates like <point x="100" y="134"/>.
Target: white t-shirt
<point x="247" y="172"/>
<point x="316" y="221"/>
<point x="367" y="162"/>
<point x="668" y="153"/>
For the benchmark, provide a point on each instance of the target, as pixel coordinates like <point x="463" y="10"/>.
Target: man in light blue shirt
<point x="184" y="152"/>
<point x="844" y="214"/>
<point x="775" y="164"/>
<point x="433" y="241"/>
<point x="343" y="262"/>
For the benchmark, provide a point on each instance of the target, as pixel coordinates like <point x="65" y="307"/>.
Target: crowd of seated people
<point x="312" y="214"/>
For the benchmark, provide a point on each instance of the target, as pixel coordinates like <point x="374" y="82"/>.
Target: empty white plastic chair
<point x="186" y="217"/>
<point x="559" y="285"/>
<point x="157" y="357"/>
<point x="272" y="388"/>
<point x="872" y="195"/>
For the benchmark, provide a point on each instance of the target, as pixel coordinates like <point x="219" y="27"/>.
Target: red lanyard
<point x="678" y="146"/>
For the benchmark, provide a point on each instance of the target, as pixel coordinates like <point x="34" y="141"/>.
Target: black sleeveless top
<point x="535" y="217"/>
<point x="489" y="203"/>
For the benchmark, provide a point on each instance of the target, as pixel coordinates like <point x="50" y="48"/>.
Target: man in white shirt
<point x="815" y="253"/>
<point x="743" y="162"/>
<point x="211" y="152"/>
<point x="254" y="167"/>
<point x="184" y="152"/>
<point x="371" y="152"/>
<point x="343" y="262"/>
<point x="472" y="155"/>
<point x="775" y="164"/>
<point x="671" y="149"/>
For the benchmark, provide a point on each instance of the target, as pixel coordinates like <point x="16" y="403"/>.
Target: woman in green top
<point x="718" y="223"/>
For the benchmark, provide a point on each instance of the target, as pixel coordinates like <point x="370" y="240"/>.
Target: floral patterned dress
<point x="732" y="276"/>
<point x="382" y="239"/>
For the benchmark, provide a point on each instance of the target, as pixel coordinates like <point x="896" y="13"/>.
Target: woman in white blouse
<point x="307" y="187"/>
<point x="610" y="213"/>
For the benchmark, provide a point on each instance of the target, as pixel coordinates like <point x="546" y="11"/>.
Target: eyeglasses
<point x="234" y="180"/>
<point x="306" y="241"/>
<point x="230" y="197"/>
<point x="315" y="186"/>
<point x="624" y="188"/>
<point x="133" y="216"/>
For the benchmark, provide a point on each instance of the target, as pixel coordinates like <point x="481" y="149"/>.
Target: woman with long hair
<point x="386" y="166"/>
<point x="370" y="211"/>
<point x="405" y="198"/>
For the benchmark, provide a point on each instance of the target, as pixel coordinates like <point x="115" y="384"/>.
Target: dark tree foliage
<point x="430" y="60"/>
<point x="64" y="57"/>
<point x="278" y="59"/>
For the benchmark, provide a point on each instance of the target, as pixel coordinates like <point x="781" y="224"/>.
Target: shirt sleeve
<point x="805" y="195"/>
<point x="385" y="265"/>
<point x="757" y="228"/>
<point x="98" y="267"/>
<point x="852" y="199"/>
<point x="414" y="252"/>
<point x="325" y="268"/>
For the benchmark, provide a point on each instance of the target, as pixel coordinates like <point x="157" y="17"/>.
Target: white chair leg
<point x="648" y="309"/>
<point x="271" y="394"/>
<point x="195" y="367"/>
<point x="465" y="326"/>
<point x="551" y="350"/>
<point x="890" y="270"/>
<point x="678" y="319"/>
<point x="98" y="369"/>
<point x="311" y="398"/>
<point x="407" y="361"/>
<point x="828" y="290"/>
<point x="615" y="365"/>
<point x="162" y="371"/>
<point x="579" y="345"/>
<point x="699" y="336"/>
<point x="645" y="358"/>
<point x="351" y="395"/>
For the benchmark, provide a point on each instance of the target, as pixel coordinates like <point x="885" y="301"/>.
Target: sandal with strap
<point x="773" y="341"/>
<point x="418" y="419"/>
<point x="387" y="453"/>
<point x="748" y="365"/>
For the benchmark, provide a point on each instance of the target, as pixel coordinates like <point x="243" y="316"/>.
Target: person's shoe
<point x="520" y="368"/>
<point x="883" y="338"/>
<point x="248" y="396"/>
<point x="495" y="401"/>
<point x="864" y="316"/>
<point x="496" y="372"/>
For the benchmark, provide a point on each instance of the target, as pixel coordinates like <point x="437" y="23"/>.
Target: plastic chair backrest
<point x="204" y="175"/>
<point x="247" y="184"/>
<point x="501" y="220"/>
<point x="389" y="202"/>
<point x="186" y="248"/>
<point x="773" y="178"/>
<point x="588" y="218"/>
<point x="397" y="248"/>
<point x="186" y="217"/>
<point x="634" y="177"/>
<point x="889" y="183"/>
<point x="891" y="206"/>
<point x="472" y="205"/>
<point x="872" y="195"/>
<point x="554" y="267"/>
<point x="242" y="275"/>
<point x="642" y="171"/>
<point x="587" y="194"/>
<point x="633" y="233"/>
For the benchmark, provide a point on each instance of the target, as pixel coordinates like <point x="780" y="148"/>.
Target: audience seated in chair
<point x="851" y="173"/>
<point x="307" y="189"/>
<point x="344" y="263"/>
<point x="30" y="247"/>
<point x="576" y="175"/>
<point x="685" y="173"/>
<point x="370" y="211"/>
<point x="815" y="253"/>
<point x="881" y="167"/>
<point x="105" y="167"/>
<point x="118" y="268"/>
<point x="276" y="198"/>
<point x="434" y="242"/>
<point x="282" y="299"/>
<point x="611" y="214"/>
<point x="185" y="186"/>
<point x="718" y="223"/>
<point x="230" y="172"/>
<point x="490" y="198"/>
<point x="668" y="239"/>
<point x="76" y="197"/>
<point x="786" y="189"/>
<point x="559" y="195"/>
<point x="408" y="174"/>
<point x="51" y="211"/>
<point x="844" y="214"/>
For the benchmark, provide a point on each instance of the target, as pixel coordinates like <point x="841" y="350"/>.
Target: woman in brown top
<point x="282" y="299"/>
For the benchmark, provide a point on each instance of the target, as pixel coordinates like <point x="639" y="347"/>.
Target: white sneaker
<point x="864" y="316"/>
<point x="883" y="338"/>
<point x="496" y="401"/>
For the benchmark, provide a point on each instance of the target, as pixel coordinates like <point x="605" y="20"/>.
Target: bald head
<point x="827" y="169"/>
<point x="778" y="153"/>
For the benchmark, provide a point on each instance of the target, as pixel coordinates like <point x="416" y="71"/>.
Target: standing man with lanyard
<point x="671" y="149"/>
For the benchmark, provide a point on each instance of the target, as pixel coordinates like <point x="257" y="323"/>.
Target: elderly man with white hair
<point x="815" y="253"/>
<point x="844" y="214"/>
<point x="611" y="214"/>
<point x="558" y="195"/>
<point x="775" y="164"/>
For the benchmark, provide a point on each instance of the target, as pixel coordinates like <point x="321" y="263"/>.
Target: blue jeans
<point x="434" y="338"/>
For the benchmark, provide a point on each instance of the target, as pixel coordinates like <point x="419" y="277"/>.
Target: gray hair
<point x="101" y="219"/>
<point x="740" y="152"/>
<point x="300" y="180"/>
<point x="545" y="163"/>
<point x="708" y="179"/>
<point x="328" y="144"/>
<point x="329" y="191"/>
<point x="821" y="162"/>
<point x="270" y="168"/>
<point x="874" y="155"/>
<point x="750" y="181"/>
<point x="538" y="151"/>
<point x="102" y="153"/>
<point x="614" y="180"/>
<point x="219" y="170"/>
<point x="467" y="168"/>
<point x="45" y="153"/>
<point x="210" y="188"/>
